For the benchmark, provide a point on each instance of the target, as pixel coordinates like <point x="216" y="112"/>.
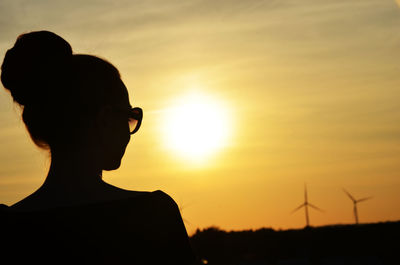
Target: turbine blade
<point x="348" y="194"/>
<point x="305" y="192"/>
<point x="186" y="221"/>
<point x="183" y="206"/>
<point x="298" y="208"/>
<point x="364" y="199"/>
<point x="315" y="207"/>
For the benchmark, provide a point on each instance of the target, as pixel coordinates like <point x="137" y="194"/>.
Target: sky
<point x="309" y="92"/>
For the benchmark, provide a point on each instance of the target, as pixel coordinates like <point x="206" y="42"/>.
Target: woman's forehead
<point x="123" y="98"/>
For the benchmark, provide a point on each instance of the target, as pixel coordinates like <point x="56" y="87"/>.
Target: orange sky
<point x="311" y="89"/>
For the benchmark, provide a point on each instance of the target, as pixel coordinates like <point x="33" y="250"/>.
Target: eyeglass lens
<point x="135" y="119"/>
<point x="132" y="124"/>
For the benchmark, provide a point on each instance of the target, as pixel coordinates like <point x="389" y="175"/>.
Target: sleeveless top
<point x="145" y="229"/>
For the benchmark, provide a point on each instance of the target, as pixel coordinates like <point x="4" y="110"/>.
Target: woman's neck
<point x="73" y="170"/>
<point x="74" y="178"/>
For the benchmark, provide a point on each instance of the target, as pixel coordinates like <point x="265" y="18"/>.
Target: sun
<point x="197" y="126"/>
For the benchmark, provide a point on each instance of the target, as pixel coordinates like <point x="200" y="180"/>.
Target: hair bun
<point x="37" y="64"/>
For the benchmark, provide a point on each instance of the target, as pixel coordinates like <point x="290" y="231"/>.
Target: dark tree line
<point x="377" y="243"/>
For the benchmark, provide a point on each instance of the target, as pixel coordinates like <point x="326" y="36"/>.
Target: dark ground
<point x="375" y="243"/>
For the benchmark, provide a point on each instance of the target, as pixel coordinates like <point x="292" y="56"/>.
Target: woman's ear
<point x="104" y="124"/>
<point x="103" y="118"/>
<point x="110" y="138"/>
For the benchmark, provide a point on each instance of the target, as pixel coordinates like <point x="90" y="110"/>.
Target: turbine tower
<point x="355" y="203"/>
<point x="305" y="205"/>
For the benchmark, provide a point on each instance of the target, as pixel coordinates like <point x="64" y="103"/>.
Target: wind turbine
<point x="305" y="205"/>
<point x="355" y="203"/>
<point x="181" y="208"/>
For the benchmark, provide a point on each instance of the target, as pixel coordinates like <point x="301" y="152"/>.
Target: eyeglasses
<point x="135" y="116"/>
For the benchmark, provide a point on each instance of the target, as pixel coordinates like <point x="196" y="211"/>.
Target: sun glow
<point x="196" y="127"/>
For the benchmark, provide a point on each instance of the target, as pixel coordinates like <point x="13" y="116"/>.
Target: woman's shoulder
<point x="3" y="208"/>
<point x="151" y="208"/>
<point x="162" y="198"/>
<point x="156" y="206"/>
<point x="157" y="194"/>
<point x="148" y="222"/>
<point x="135" y="205"/>
<point x="139" y="199"/>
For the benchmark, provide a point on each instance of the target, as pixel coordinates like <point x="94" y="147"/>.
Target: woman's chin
<point x="112" y="165"/>
<point x="112" y="161"/>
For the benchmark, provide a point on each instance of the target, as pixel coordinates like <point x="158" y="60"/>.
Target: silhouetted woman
<point x="77" y="107"/>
